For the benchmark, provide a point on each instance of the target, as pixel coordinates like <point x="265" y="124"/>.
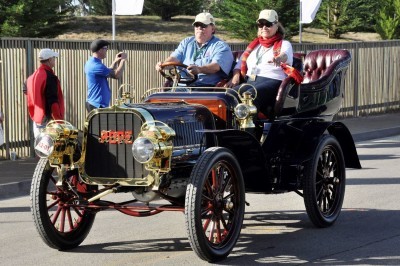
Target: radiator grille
<point x="112" y="160"/>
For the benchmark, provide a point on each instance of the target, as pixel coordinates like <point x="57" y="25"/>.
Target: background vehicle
<point x="200" y="150"/>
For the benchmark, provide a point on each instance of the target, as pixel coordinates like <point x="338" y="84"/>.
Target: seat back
<point x="320" y="63"/>
<point x="322" y="91"/>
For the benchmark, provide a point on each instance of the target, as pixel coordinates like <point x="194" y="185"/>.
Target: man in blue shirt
<point x="99" y="93"/>
<point x="205" y="55"/>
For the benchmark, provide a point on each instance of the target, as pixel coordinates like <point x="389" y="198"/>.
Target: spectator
<point x="260" y="64"/>
<point x="99" y="93"/>
<point x="205" y="55"/>
<point x="45" y="98"/>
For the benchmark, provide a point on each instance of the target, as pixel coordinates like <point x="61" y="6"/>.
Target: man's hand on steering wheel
<point x="174" y="70"/>
<point x="195" y="70"/>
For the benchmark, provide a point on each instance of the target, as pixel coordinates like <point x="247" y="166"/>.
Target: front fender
<point x="248" y="152"/>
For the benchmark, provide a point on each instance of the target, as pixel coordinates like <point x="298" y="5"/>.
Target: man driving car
<point x="206" y="56"/>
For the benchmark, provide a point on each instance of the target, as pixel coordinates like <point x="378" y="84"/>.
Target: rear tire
<point x="60" y="224"/>
<point x="325" y="182"/>
<point x="214" y="206"/>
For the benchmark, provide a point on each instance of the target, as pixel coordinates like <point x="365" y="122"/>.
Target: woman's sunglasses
<point x="265" y="23"/>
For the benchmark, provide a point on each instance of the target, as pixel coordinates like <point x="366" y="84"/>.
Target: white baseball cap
<point x="205" y="18"/>
<point x="47" y="53"/>
<point x="268" y="14"/>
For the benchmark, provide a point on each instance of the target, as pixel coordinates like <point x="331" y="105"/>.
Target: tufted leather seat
<point x="321" y="64"/>
<point x="322" y="90"/>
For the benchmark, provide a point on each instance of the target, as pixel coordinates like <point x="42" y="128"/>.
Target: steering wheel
<point x="177" y="72"/>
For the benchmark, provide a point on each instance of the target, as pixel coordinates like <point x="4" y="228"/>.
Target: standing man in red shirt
<point x="45" y="98"/>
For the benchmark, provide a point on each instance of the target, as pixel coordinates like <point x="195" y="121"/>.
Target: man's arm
<point x="118" y="65"/>
<point x="169" y="59"/>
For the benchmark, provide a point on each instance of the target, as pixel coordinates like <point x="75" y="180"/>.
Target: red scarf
<point x="275" y="41"/>
<point x="292" y="72"/>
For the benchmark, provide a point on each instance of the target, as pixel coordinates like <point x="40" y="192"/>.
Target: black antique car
<point x="199" y="151"/>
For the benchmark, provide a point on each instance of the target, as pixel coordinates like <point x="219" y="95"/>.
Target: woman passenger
<point x="260" y="64"/>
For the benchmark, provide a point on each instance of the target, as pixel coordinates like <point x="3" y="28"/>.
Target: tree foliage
<point x="100" y="7"/>
<point x="167" y="9"/>
<point x="336" y="17"/>
<point x="333" y="17"/>
<point x="388" y="22"/>
<point x="239" y="16"/>
<point x="32" y="18"/>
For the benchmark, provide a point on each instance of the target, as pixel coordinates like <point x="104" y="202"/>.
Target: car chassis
<point x="201" y="150"/>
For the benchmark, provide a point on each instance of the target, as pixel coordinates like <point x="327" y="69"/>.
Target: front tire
<point x="214" y="206"/>
<point x="60" y="224"/>
<point x="325" y="182"/>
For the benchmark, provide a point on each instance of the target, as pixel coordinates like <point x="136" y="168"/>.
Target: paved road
<point x="276" y="228"/>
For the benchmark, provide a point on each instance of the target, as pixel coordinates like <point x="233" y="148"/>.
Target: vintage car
<point x="197" y="151"/>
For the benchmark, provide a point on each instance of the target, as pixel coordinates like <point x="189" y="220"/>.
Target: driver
<point x="205" y="55"/>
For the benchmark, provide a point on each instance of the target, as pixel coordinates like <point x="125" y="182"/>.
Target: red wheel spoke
<point x="62" y="220"/>
<point x="69" y="217"/>
<point x="206" y="224"/>
<point x="208" y="188"/>
<point x="56" y="214"/>
<point x="77" y="211"/>
<point x="206" y="211"/>
<point x="206" y="197"/>
<point x="211" y="236"/>
<point x="214" y="179"/>
<point x="219" y="238"/>
<point x="53" y="204"/>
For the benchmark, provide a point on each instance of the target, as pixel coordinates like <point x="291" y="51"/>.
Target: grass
<point x="153" y="29"/>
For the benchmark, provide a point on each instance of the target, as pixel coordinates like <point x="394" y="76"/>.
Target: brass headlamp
<point x="58" y="139"/>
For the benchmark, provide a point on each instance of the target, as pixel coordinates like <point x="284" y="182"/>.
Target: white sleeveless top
<point x="260" y="62"/>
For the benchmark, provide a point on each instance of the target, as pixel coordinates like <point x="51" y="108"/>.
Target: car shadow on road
<point x="289" y="237"/>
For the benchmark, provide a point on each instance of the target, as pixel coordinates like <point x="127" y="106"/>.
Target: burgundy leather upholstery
<point x="322" y="63"/>
<point x="319" y="68"/>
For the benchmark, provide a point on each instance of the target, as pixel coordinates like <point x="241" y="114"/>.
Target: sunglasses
<point x="265" y="23"/>
<point x="201" y="25"/>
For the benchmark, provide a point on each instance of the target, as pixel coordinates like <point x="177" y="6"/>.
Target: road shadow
<point x="289" y="238"/>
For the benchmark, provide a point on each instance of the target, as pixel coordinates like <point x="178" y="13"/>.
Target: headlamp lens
<point x="242" y="111"/>
<point x="143" y="150"/>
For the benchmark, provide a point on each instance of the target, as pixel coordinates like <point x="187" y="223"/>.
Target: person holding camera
<point x="99" y="93"/>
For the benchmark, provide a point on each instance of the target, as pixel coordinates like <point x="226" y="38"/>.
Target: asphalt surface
<point x="15" y="176"/>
